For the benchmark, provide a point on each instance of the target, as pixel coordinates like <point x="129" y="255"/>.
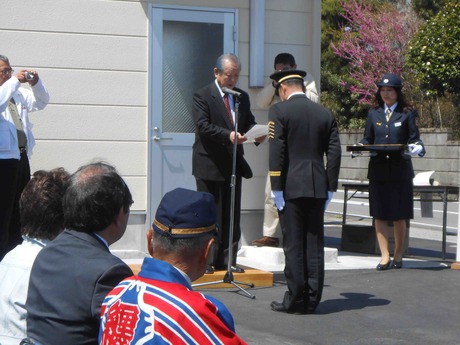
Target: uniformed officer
<point x="301" y="132"/>
<point x="390" y="173"/>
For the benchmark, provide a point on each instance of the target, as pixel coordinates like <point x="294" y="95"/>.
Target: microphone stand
<point x="228" y="278"/>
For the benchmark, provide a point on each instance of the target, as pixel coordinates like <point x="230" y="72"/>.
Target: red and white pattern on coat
<point x="121" y="322"/>
<point x="161" y="312"/>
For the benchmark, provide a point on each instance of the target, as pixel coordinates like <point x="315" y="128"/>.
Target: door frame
<point x="155" y="84"/>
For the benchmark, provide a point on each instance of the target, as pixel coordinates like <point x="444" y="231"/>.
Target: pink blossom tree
<point x="374" y="41"/>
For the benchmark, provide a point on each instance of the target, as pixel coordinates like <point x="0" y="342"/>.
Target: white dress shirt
<point x="26" y="101"/>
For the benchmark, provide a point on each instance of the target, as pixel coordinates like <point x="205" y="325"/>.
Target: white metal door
<point x="184" y="45"/>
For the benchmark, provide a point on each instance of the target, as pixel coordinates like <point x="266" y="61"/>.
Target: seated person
<point x="42" y="219"/>
<point x="72" y="275"/>
<point x="158" y="306"/>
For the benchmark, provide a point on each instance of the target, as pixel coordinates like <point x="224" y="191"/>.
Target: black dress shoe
<point x="278" y="306"/>
<point x="209" y="270"/>
<point x="237" y="269"/>
<point x="234" y="269"/>
<point x="397" y="264"/>
<point x="384" y="267"/>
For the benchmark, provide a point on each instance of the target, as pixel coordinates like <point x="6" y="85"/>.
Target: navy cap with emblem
<point x="391" y="80"/>
<point x="185" y="213"/>
<point x="288" y="74"/>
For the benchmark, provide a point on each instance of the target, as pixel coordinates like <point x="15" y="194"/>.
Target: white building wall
<point x="93" y="57"/>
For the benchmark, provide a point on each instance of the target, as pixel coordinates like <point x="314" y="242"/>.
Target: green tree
<point x="428" y="8"/>
<point x="434" y="59"/>
<point x="434" y="53"/>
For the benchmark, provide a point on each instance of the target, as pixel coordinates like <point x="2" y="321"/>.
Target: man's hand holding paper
<point x="257" y="133"/>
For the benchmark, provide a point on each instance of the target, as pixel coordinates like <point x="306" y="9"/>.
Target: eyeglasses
<point x="7" y="71"/>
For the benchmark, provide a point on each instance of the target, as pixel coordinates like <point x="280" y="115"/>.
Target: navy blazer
<point x="69" y="280"/>
<point x="213" y="150"/>
<point x="400" y="129"/>
<point x="301" y="133"/>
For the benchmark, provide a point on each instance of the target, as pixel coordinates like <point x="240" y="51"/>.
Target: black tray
<point x="377" y="147"/>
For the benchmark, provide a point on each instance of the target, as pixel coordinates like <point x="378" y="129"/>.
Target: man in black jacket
<point x="301" y="133"/>
<point x="214" y="115"/>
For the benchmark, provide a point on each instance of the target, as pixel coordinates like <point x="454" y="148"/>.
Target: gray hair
<point x="220" y="63"/>
<point x="4" y="59"/>
<point x="189" y="245"/>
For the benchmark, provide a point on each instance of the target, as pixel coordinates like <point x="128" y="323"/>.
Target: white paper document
<point x="256" y="132"/>
<point x="423" y="178"/>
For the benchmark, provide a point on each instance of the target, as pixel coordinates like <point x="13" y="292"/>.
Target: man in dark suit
<point x="301" y="132"/>
<point x="72" y="275"/>
<point x="213" y="150"/>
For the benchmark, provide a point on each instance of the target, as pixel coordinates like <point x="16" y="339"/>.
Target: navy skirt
<point x="391" y="200"/>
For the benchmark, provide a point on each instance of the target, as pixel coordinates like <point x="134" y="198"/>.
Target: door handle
<point x="158" y="138"/>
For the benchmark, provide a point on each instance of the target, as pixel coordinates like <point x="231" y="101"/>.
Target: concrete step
<point x="272" y="259"/>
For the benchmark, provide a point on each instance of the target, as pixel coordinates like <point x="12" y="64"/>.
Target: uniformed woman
<point x="390" y="173"/>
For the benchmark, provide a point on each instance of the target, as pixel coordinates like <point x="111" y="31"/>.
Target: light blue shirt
<point x="14" y="282"/>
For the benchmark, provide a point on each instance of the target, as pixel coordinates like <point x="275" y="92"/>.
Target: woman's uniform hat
<point x="185" y="213"/>
<point x="287" y="74"/>
<point x="391" y="80"/>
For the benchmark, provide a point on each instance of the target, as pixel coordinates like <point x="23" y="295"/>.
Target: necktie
<point x="22" y="139"/>
<point x="389" y="113"/>
<point x="229" y="111"/>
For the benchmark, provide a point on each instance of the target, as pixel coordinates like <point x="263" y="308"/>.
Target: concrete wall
<point x="442" y="156"/>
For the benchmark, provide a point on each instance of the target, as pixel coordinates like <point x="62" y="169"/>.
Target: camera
<point x="29" y="76"/>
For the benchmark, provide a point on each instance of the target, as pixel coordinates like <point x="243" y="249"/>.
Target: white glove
<point x="278" y="197"/>
<point x="356" y="153"/>
<point x="414" y="149"/>
<point x="329" y="198"/>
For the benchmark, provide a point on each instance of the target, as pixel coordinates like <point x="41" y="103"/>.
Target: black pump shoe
<point x="384" y="267"/>
<point x="397" y="264"/>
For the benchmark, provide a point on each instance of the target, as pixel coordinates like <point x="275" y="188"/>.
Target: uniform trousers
<point x="221" y="190"/>
<point x="302" y="225"/>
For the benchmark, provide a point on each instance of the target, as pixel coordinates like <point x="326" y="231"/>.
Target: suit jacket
<point x="401" y="129"/>
<point x="301" y="132"/>
<point x="213" y="150"/>
<point x="69" y="280"/>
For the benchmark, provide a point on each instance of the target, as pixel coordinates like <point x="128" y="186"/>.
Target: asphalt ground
<point x="418" y="304"/>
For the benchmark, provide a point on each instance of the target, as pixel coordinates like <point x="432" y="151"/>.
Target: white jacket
<point x="266" y="97"/>
<point x="26" y="100"/>
<point x="14" y="283"/>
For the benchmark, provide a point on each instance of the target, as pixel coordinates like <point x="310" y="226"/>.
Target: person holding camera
<point x="16" y="144"/>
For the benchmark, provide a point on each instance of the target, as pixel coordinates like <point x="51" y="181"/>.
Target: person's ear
<point x="281" y="89"/>
<point x="149" y="241"/>
<point x="207" y="250"/>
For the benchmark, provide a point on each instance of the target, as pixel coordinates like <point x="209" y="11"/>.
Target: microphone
<point x="231" y="92"/>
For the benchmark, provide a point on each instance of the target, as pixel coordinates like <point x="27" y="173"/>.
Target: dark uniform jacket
<point x="213" y="150"/>
<point x="69" y="280"/>
<point x="401" y="129"/>
<point x="301" y="132"/>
